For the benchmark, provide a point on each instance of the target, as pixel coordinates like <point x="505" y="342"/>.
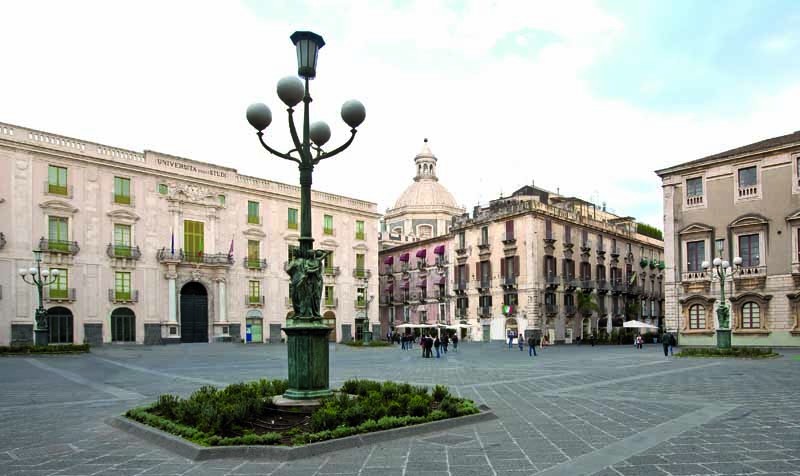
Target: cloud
<point x="177" y="76"/>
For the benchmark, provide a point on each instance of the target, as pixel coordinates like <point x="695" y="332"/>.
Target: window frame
<point x="360" y="233"/>
<point x="697" y="322"/>
<point x="122" y="190"/>
<point x="759" y="188"/>
<point x="58" y="188"/>
<point x="750" y="319"/>
<point x="292" y="216"/>
<point x="123" y="285"/>
<point x="253" y="206"/>
<point x="703" y="258"/>
<point x="327" y="224"/>
<point x="704" y="196"/>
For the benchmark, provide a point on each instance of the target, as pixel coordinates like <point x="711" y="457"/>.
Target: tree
<point x="587" y="303"/>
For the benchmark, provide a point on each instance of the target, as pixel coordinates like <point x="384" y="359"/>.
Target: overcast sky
<point x="585" y="97"/>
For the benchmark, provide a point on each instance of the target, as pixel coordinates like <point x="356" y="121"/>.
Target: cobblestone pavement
<point x="572" y="410"/>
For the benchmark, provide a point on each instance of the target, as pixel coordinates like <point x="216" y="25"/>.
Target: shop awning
<point x="389" y="260"/>
<point x="404" y="257"/>
<point x="439" y="250"/>
<point x="422" y="253"/>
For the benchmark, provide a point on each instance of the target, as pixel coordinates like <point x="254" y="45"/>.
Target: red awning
<point x="389" y="260"/>
<point x="404" y="257"/>
<point x="421" y="253"/>
<point x="439" y="250"/>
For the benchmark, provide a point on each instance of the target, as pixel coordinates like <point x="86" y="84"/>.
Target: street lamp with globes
<point x="722" y="268"/>
<point x="40" y="278"/>
<point x="307" y="336"/>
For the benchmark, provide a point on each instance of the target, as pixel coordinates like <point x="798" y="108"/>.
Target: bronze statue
<point x="305" y="285"/>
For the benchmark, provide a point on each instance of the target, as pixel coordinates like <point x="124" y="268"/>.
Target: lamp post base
<point x="307" y="341"/>
<point x="723" y="338"/>
<point x="41" y="337"/>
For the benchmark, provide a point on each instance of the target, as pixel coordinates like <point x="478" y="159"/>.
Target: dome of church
<point x="426" y="191"/>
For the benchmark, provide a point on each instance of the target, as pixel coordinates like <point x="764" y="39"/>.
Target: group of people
<point x="532" y="342"/>
<point x="428" y="342"/>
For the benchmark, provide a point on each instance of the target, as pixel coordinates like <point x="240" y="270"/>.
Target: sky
<point x="587" y="98"/>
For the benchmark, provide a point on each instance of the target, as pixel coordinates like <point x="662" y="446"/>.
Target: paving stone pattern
<point x="572" y="410"/>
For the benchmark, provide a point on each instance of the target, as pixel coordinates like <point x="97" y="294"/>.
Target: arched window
<point x="697" y="317"/>
<point x="751" y="316"/>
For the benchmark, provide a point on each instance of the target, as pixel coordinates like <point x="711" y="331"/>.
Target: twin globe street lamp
<point x="307" y="336"/>
<point x="723" y="269"/>
<point x="40" y="278"/>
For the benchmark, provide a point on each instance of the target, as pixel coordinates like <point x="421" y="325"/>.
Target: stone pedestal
<point x="723" y="338"/>
<point x="41" y="337"/>
<point x="308" y="359"/>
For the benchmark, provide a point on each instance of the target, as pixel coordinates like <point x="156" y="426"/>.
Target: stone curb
<point x="195" y="452"/>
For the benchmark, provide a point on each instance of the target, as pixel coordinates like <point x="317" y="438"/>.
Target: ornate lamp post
<point x="307" y="336"/>
<point x="40" y="278"/>
<point x="723" y="269"/>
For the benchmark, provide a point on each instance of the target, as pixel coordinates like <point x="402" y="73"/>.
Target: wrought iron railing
<point x="49" y="294"/>
<point x="123" y="251"/>
<point x="123" y="296"/>
<point x="256" y="263"/>
<point x="58" y="246"/>
<point x="253" y="300"/>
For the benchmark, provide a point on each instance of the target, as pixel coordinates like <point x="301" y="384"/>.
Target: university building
<point x="532" y="263"/>
<point x="154" y="248"/>
<point x="743" y="202"/>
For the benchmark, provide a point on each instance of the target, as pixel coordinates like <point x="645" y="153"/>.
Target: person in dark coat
<point x="445" y="342"/>
<point x="455" y="343"/>
<point x="520" y="341"/>
<point x="437" y="343"/>
<point x="531" y="346"/>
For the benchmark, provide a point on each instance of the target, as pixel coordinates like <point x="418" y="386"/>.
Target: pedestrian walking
<point x="455" y="343"/>
<point x="403" y="342"/>
<point x="531" y="346"/>
<point x="436" y="344"/>
<point x="673" y="341"/>
<point x="520" y="341"/>
<point x="665" y="341"/>
<point x="510" y="336"/>
<point x="592" y="339"/>
<point x="445" y="342"/>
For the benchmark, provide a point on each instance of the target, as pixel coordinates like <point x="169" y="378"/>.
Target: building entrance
<point x="194" y="313"/>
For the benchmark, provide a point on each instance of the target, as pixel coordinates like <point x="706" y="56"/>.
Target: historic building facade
<point x="416" y="283"/>
<point x="424" y="210"/>
<point x="540" y="263"/>
<point x="745" y="203"/>
<point x="154" y="248"/>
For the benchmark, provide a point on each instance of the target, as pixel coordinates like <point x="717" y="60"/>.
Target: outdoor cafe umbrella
<point x="638" y="325"/>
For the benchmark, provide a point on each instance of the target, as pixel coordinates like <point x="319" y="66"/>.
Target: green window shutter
<point x="163" y="189"/>
<point x="122" y="240"/>
<point x="122" y="190"/>
<point x="360" y="265"/>
<point x="252" y="253"/>
<point x="193" y="240"/>
<point x="255" y="292"/>
<point x="59" y="289"/>
<point x="122" y="285"/>
<point x="221" y="199"/>
<point x="329" y="296"/>
<point x="328" y="224"/>
<point x="253" y="213"/>
<point x="359" y="229"/>
<point x="57" y="180"/>
<point x="292" y="219"/>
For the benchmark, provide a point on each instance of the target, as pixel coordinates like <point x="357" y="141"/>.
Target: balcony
<point x="461" y="251"/>
<point x="404" y="267"/>
<point x="587" y="285"/>
<point x="388" y="270"/>
<point x="633" y="289"/>
<point x="122" y="297"/>
<point x="695" y="276"/>
<point x="331" y="271"/>
<point x="422" y="265"/>
<point x="253" y="301"/>
<point x="361" y="273"/>
<point x="57" y="246"/>
<point x="123" y="252"/>
<point x="2" y="240"/>
<point x="58" y="295"/>
<point x="399" y="299"/>
<point x="617" y="286"/>
<point x="441" y="295"/>
<point x="552" y="281"/>
<point x="750" y="278"/>
<point x="122" y="199"/>
<point x="462" y="312"/>
<point x="602" y="286"/>
<point x="253" y="219"/>
<point x="212" y="259"/>
<point x="460" y="286"/>
<point x="570" y="309"/>
<point x="360" y="303"/>
<point x="509" y="239"/>
<point x="570" y="283"/>
<point x="551" y="309"/>
<point x="164" y="255"/>
<point x="385" y="300"/>
<point x="330" y="303"/>
<point x="60" y="190"/>
<point x="694" y="200"/>
<point x="411" y="298"/>
<point x="485" y="311"/>
<point x="750" y="191"/>
<point x="483" y="284"/>
<point x="441" y="261"/>
<point x="254" y="264"/>
<point x="509" y="281"/>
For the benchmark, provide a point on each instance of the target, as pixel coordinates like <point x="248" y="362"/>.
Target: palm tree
<point x="587" y="303"/>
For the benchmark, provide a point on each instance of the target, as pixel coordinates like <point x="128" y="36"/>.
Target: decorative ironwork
<point x="58" y="246"/>
<point x="125" y="252"/>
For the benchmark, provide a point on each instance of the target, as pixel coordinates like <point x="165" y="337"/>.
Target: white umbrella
<point x="638" y="325"/>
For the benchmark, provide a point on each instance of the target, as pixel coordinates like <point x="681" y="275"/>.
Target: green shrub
<point x="418" y="406"/>
<point x="325" y="418"/>
<point x="439" y="393"/>
<point x="44" y="349"/>
<point x="449" y="406"/>
<point x="379" y="343"/>
<point x="741" y="352"/>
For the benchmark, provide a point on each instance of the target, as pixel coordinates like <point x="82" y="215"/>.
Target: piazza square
<point x="400" y="238"/>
